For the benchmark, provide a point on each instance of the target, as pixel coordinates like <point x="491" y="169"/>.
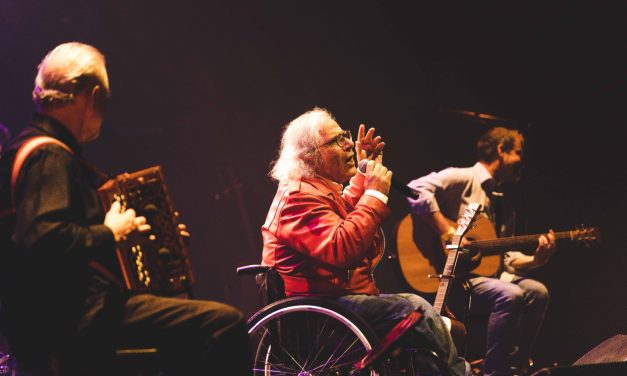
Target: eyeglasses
<point x="342" y="140"/>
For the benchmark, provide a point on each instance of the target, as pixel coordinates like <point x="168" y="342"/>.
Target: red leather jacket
<point x="322" y="241"/>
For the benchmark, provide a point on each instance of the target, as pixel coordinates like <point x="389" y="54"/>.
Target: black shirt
<point x="56" y="231"/>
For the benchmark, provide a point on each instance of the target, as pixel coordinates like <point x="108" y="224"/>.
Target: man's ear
<point x="499" y="150"/>
<point x="96" y="91"/>
<point x="309" y="160"/>
<point x="99" y="97"/>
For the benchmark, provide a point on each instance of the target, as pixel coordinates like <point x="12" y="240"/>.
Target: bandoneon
<point x="157" y="261"/>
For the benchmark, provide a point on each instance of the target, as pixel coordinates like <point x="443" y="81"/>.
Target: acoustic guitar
<point x="421" y="253"/>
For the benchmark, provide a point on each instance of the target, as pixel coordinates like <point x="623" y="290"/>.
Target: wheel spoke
<point x="307" y="340"/>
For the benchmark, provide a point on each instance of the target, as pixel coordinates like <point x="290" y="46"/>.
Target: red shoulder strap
<point x="23" y="152"/>
<point x="20" y="157"/>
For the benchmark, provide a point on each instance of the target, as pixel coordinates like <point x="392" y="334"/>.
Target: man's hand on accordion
<point x="123" y="223"/>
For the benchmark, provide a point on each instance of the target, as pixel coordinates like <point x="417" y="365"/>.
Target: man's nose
<point x="350" y="144"/>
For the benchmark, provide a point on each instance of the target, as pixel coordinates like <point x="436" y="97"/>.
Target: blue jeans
<point x="516" y="312"/>
<point x="383" y="311"/>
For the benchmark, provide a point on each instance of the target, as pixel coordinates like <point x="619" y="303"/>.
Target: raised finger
<point x="379" y="147"/>
<point x="369" y="135"/>
<point x="361" y="132"/>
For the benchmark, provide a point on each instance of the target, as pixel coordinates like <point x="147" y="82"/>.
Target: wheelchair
<point x="306" y="336"/>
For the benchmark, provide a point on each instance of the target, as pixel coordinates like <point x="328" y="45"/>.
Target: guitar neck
<point x="468" y="218"/>
<point x="499" y="245"/>
<point x="447" y="274"/>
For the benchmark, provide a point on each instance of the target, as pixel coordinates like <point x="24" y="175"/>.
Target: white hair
<point x="67" y="70"/>
<point x="299" y="155"/>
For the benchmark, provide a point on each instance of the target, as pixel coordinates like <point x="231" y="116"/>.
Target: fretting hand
<point x="546" y="248"/>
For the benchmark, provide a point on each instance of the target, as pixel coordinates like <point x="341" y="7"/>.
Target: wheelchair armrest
<point x="252" y="269"/>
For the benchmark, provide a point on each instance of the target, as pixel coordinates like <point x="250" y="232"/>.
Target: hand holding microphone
<point x="378" y="177"/>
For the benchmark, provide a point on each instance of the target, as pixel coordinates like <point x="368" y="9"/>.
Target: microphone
<point x="397" y="184"/>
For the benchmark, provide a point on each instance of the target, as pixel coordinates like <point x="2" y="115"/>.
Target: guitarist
<point x="516" y="304"/>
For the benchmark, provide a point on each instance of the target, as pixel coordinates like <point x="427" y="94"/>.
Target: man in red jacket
<point x="325" y="239"/>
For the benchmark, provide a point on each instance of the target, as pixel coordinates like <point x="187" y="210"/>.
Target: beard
<point x="514" y="172"/>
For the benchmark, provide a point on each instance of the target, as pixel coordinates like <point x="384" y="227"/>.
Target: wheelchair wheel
<point x="308" y="336"/>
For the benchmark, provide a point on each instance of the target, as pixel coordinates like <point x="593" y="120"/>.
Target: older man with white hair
<point x="325" y="239"/>
<point x="53" y="231"/>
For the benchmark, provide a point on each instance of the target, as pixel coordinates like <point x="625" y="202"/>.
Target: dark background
<point x="203" y="88"/>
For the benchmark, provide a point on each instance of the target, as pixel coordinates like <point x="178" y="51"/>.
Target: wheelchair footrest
<point x="397" y="332"/>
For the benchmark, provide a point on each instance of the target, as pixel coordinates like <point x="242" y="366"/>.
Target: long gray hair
<point x="299" y="155"/>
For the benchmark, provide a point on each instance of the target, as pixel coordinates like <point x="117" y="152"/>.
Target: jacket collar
<point x="51" y="127"/>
